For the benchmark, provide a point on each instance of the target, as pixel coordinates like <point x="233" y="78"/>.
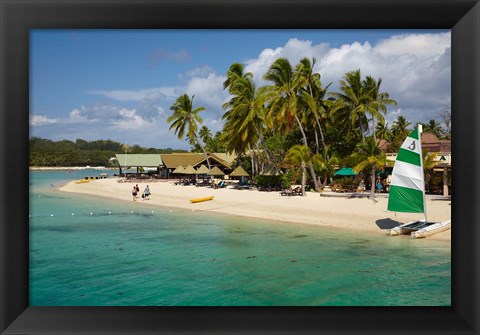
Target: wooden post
<point x="445" y="181"/>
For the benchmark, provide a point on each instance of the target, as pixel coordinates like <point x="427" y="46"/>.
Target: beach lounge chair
<point x="204" y="182"/>
<point x="287" y="192"/>
<point x="221" y="184"/>
<point x="297" y="190"/>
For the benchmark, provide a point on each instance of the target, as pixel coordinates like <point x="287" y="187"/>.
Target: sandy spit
<point x="343" y="213"/>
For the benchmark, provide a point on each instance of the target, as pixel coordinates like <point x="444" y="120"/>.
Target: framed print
<point x="33" y="32"/>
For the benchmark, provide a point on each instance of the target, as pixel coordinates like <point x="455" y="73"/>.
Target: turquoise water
<point x="122" y="254"/>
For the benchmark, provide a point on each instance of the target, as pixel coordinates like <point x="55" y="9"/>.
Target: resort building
<point x="439" y="181"/>
<point x="141" y="162"/>
<point x="162" y="165"/>
<point x="173" y="161"/>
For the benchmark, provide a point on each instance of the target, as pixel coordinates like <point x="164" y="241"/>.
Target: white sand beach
<point x="338" y="212"/>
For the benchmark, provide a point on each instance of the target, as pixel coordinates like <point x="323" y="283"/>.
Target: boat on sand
<point x="431" y="228"/>
<point x="420" y="228"/>
<point x="195" y="200"/>
<point x="407" y="190"/>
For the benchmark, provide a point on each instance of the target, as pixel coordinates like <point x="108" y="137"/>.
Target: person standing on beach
<point x="146" y="193"/>
<point x="134" y="192"/>
<point x="361" y="186"/>
<point x="379" y="185"/>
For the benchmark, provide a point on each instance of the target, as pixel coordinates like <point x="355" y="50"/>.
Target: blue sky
<point x="120" y="84"/>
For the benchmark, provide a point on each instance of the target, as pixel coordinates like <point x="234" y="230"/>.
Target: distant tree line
<point x="45" y="152"/>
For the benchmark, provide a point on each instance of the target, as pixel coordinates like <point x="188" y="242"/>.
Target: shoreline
<point x="69" y="168"/>
<point x="313" y="209"/>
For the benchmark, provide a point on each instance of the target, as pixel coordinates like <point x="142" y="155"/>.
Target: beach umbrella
<point x="239" y="172"/>
<point x="202" y="169"/>
<point x="179" y="169"/>
<point x="190" y="170"/>
<point x="345" y="172"/>
<point x="215" y="171"/>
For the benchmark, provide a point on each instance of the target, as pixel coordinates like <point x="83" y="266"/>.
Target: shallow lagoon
<point x="124" y="254"/>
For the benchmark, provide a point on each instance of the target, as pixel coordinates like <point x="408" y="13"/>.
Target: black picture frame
<point x="17" y="17"/>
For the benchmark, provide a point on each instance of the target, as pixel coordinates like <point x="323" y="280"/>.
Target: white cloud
<point x="80" y="115"/>
<point x="202" y="72"/>
<point x="422" y="46"/>
<point x="208" y="91"/>
<point x="415" y="68"/>
<point x="40" y="120"/>
<point x="129" y="119"/>
<point x="294" y="50"/>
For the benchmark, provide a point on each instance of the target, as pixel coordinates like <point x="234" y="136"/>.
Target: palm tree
<point x="205" y="135"/>
<point x="244" y="114"/>
<point x="377" y="106"/>
<point x="400" y="131"/>
<point x="299" y="155"/>
<point x="434" y="127"/>
<point x="383" y="131"/>
<point x="234" y="72"/>
<point x="283" y="111"/>
<point x="313" y="95"/>
<point x="185" y="120"/>
<point x="400" y="126"/>
<point x="327" y="164"/>
<point x="368" y="154"/>
<point x="351" y="105"/>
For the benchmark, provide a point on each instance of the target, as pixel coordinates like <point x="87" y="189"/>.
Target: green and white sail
<point x="407" y="187"/>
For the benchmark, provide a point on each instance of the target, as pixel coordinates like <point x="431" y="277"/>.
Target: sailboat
<point x="407" y="189"/>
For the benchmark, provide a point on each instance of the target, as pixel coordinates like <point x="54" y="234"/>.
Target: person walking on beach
<point x="146" y="193"/>
<point x="134" y="193"/>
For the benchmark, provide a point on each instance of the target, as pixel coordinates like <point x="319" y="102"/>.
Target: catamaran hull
<point x="405" y="229"/>
<point x="435" y="228"/>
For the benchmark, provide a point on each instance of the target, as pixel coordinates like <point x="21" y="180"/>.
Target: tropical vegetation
<point x="294" y="125"/>
<point x="45" y="152"/>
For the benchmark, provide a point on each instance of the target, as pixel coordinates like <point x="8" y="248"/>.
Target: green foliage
<point x="265" y="181"/>
<point x="342" y="145"/>
<point x="44" y="152"/>
<point x="245" y="162"/>
<point x="216" y="144"/>
<point x="288" y="178"/>
<point x="277" y="145"/>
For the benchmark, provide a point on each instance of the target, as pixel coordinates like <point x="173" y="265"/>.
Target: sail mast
<point x="420" y="130"/>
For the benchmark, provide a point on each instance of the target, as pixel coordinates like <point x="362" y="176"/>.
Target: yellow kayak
<point x="83" y="181"/>
<point x="201" y="199"/>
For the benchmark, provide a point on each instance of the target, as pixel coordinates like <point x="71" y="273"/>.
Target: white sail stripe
<point x="407" y="169"/>
<point x="405" y="181"/>
<point x="409" y="143"/>
<point x="407" y="175"/>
